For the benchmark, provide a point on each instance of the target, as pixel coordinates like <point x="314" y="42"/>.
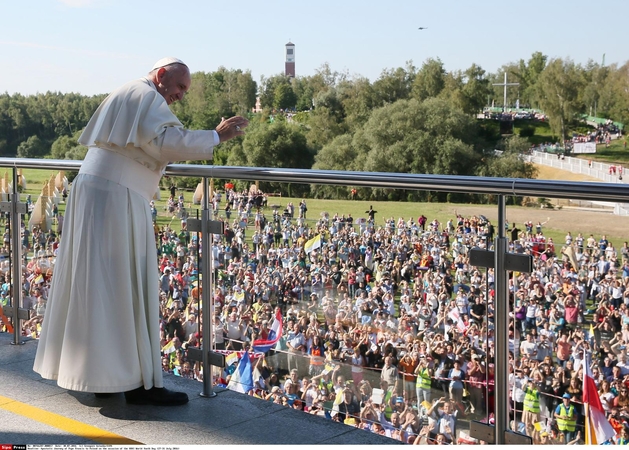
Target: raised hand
<point x="232" y="127"/>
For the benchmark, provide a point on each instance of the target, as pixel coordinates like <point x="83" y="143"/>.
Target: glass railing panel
<point x="570" y="310"/>
<point x="401" y="308"/>
<point x="383" y="316"/>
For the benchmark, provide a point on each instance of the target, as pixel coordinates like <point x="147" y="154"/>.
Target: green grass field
<point x="617" y="152"/>
<point x="385" y="209"/>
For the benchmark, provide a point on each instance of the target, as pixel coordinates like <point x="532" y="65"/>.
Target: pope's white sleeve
<point x="180" y="144"/>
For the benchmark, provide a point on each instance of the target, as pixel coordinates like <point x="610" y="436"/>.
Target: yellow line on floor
<point x="63" y="423"/>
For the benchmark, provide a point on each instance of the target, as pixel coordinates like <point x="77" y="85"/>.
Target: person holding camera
<point x="531" y="414"/>
<point x="423" y="384"/>
<point x="476" y="379"/>
<point x="456" y="376"/>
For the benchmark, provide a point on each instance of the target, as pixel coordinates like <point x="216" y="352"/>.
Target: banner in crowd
<point x="169" y="347"/>
<point x="313" y="244"/>
<point x="584" y="147"/>
<point x="275" y="333"/>
<point x="232" y="356"/>
<point x="242" y="379"/>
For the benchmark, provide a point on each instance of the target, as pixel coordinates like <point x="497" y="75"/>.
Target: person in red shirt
<point x="572" y="311"/>
<point x="564" y="349"/>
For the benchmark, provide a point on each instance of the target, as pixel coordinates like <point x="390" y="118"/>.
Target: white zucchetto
<point x="167" y="62"/>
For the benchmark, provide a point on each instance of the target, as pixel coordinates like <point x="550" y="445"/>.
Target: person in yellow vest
<point x="387" y="399"/>
<point x="566" y="415"/>
<point x="530" y="416"/>
<point x="424" y="381"/>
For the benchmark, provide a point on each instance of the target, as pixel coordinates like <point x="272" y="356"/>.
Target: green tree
<point x="407" y="136"/>
<point x="340" y="154"/>
<point x="327" y="120"/>
<point x="268" y="89"/>
<point x="394" y="84"/>
<point x="77" y="153"/>
<point x="558" y="86"/>
<point x="430" y="80"/>
<point x="516" y="145"/>
<point x="594" y="80"/>
<point x="616" y="94"/>
<point x="508" y="165"/>
<point x="308" y="88"/>
<point x="284" y="97"/>
<point x="475" y="90"/>
<point x="453" y="90"/>
<point x="528" y="76"/>
<point x="304" y="91"/>
<point x="358" y="99"/>
<point x="65" y="145"/>
<point x="33" y="147"/>
<point x="279" y="144"/>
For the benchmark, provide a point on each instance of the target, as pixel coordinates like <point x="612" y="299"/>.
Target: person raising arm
<point x="106" y="274"/>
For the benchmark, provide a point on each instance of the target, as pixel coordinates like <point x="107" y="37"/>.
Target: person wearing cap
<point x="106" y="274"/>
<point x="566" y="415"/>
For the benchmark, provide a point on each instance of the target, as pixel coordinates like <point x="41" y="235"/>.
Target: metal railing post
<point x="501" y="356"/>
<point x="16" y="259"/>
<point x="206" y="275"/>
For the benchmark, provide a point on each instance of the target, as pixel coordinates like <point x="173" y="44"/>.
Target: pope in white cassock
<point x="101" y="329"/>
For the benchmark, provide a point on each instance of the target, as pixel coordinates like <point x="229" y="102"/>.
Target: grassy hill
<point x="561" y="221"/>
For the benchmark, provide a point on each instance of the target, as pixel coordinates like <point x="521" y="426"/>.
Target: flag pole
<point x="588" y="436"/>
<point x="586" y="403"/>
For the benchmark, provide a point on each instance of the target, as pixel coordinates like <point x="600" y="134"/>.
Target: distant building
<point x="289" y="65"/>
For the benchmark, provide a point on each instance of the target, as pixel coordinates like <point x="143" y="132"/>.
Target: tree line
<point x="411" y="119"/>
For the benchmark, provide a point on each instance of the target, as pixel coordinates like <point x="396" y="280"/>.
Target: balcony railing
<point x="501" y="188"/>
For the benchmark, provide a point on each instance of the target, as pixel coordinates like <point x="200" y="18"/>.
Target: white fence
<point x="604" y="172"/>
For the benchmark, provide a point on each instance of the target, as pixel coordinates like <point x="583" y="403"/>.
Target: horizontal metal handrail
<point x="520" y="187"/>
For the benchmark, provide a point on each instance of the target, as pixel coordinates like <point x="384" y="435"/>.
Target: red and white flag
<point x="597" y="427"/>
<point x="457" y="319"/>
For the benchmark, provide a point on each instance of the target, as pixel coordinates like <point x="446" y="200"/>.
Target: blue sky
<point x="93" y="46"/>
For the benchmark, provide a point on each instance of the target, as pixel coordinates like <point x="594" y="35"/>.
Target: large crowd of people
<point x="386" y="325"/>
